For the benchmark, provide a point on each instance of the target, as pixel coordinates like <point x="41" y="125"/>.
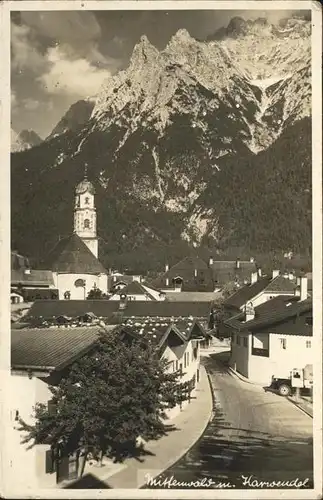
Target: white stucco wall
<point x="263" y="297"/>
<point x="26" y="467"/>
<point x="177" y="354"/>
<point x="64" y="282"/>
<point x="240" y="354"/>
<point x="281" y="361"/>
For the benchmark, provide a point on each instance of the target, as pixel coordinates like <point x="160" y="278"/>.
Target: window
<point x="195" y="352"/>
<point x="283" y="343"/>
<point x="238" y="339"/>
<point x="245" y="341"/>
<point x="185" y="360"/>
<point x="176" y="365"/>
<point x="309" y="320"/>
<point x="308" y="344"/>
<point x="188" y="359"/>
<point x="87" y="224"/>
<point x="87" y="201"/>
<point x="171" y="366"/>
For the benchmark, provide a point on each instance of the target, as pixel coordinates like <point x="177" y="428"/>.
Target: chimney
<point x="275" y="273"/>
<point x="252" y="260"/>
<point x="166" y="268"/>
<point x="162" y="296"/>
<point x="259" y="272"/>
<point x="238" y="263"/>
<point x="123" y="302"/>
<point x="211" y="261"/>
<point x="195" y="273"/>
<point x="254" y="277"/>
<point x="167" y="281"/>
<point x="27" y="271"/>
<point x="250" y="312"/>
<point x="291" y="275"/>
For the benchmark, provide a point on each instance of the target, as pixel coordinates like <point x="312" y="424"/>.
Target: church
<point x="74" y="260"/>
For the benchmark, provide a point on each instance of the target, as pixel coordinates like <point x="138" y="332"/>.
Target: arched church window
<point x="87" y="200"/>
<point x="87" y="224"/>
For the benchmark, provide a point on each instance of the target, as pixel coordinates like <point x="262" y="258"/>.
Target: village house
<point x="193" y="274"/>
<point x="41" y="357"/>
<point x="177" y="341"/>
<point x="28" y="284"/>
<point x="272" y="339"/>
<point x="137" y="291"/>
<point x="260" y="289"/>
<point x="74" y="260"/>
<point x="117" y="280"/>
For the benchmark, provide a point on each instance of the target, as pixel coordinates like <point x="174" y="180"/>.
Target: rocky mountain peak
<point x="26" y="139"/>
<point x="144" y="52"/>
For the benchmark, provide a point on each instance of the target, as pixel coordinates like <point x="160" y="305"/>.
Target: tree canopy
<point x="107" y="400"/>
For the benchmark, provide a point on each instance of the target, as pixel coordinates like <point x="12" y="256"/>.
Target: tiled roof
<point x="113" y="280"/>
<point x="170" y="309"/>
<point x="136" y="288"/>
<point x="190" y="296"/>
<point x="155" y="331"/>
<point x="247" y="292"/>
<point x="36" y="277"/>
<point x="51" y="348"/>
<point x="281" y="284"/>
<point x="225" y="271"/>
<point x="273" y="313"/>
<point x="186" y="269"/>
<point x="72" y="256"/>
<point x="109" y="309"/>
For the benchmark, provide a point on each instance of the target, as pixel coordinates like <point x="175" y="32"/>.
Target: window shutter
<point x="49" y="462"/>
<point x="52" y="408"/>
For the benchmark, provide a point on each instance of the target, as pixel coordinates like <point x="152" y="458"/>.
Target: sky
<point x="60" y="57"/>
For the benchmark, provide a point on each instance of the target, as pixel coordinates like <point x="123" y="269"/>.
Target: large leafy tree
<point x="107" y="400"/>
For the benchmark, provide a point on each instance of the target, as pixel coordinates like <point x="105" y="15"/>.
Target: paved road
<point x="253" y="433"/>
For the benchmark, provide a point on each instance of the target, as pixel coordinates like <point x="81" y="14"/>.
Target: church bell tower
<point x="85" y="214"/>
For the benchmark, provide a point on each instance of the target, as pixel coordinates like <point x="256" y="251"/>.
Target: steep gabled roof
<point x="247" y="292"/>
<point x="136" y="288"/>
<point x="156" y="331"/>
<point x="225" y="271"/>
<point x="72" y="256"/>
<point x="276" y="312"/>
<point x="195" y="273"/>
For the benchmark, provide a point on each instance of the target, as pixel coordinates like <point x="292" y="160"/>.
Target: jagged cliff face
<point x="26" y="139"/>
<point x="159" y="131"/>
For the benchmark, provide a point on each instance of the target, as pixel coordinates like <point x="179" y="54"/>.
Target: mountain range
<point x="206" y="144"/>
<point x="26" y="139"/>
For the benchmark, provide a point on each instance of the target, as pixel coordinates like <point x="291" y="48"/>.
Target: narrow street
<point x="252" y="433"/>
